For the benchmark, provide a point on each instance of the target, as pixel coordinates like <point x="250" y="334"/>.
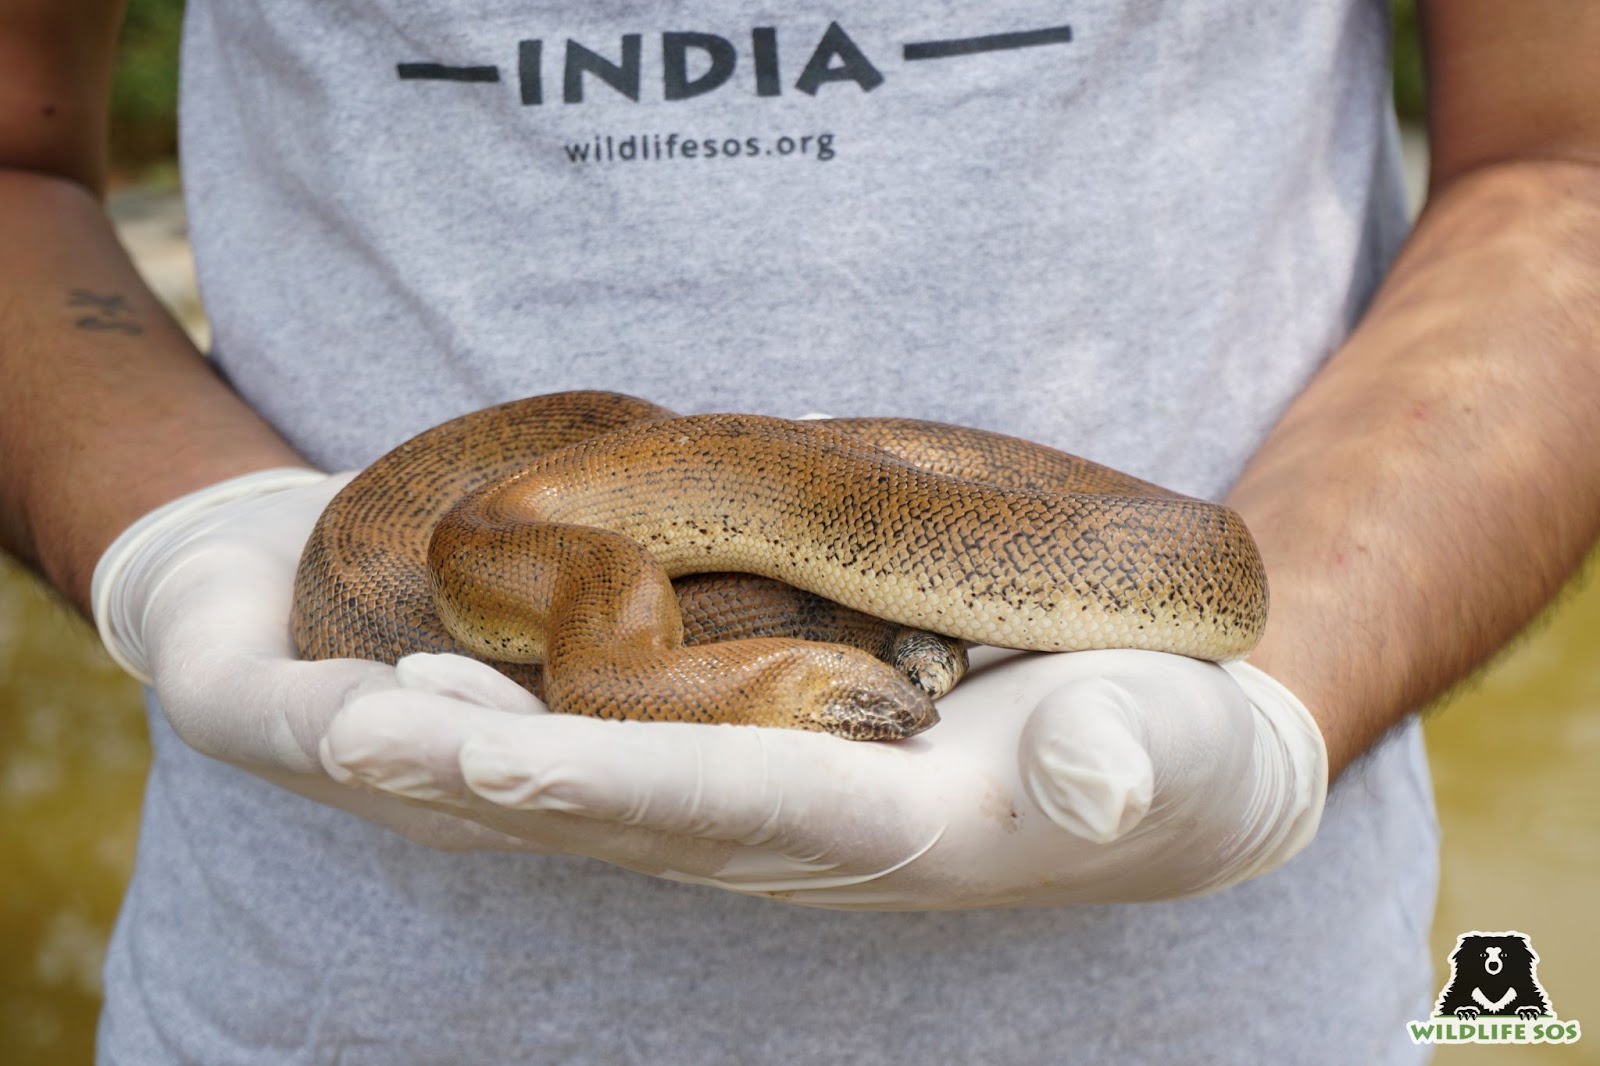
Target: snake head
<point x="886" y="707"/>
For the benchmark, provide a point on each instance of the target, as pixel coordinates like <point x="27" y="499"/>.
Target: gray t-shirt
<point x="1129" y="228"/>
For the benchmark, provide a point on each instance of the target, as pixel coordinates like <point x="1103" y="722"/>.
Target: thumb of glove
<point x="1082" y="762"/>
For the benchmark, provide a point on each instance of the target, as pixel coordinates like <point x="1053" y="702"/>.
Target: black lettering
<point x="577" y="153"/>
<point x="691" y="149"/>
<point x="853" y="63"/>
<point x="530" y="76"/>
<point x="764" y="43"/>
<point x="627" y="149"/>
<point x="623" y="77"/>
<point x="752" y="146"/>
<point x="442" y="72"/>
<point x="994" y="42"/>
<point x="675" y="63"/>
<point x="710" y="146"/>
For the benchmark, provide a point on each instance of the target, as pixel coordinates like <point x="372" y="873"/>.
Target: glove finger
<point x="406" y="743"/>
<point x="468" y="680"/>
<point x="801" y="794"/>
<point x="1083" y="764"/>
<point x="675" y="778"/>
<point x="369" y="745"/>
<point x="742" y="808"/>
<point x="440" y="830"/>
<point x="258" y="711"/>
<point x="751" y="810"/>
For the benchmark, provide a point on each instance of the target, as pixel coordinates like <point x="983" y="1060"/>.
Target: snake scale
<point x="582" y="542"/>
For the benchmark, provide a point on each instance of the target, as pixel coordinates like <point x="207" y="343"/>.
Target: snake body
<point x="546" y="531"/>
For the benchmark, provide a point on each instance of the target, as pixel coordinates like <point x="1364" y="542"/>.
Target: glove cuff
<point x="132" y="560"/>
<point x="1301" y="760"/>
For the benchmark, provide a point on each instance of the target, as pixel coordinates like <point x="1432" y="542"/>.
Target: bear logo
<point x="1493" y="975"/>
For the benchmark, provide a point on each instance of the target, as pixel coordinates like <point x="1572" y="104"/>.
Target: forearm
<point x="1440" y="478"/>
<point x="107" y="410"/>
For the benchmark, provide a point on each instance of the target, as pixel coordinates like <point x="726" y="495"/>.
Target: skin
<point x="1439" y="480"/>
<point x="1425" y="496"/>
<point x="127" y="410"/>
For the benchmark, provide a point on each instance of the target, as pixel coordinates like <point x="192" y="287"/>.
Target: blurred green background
<point x="1513" y="751"/>
<point x="144" y="90"/>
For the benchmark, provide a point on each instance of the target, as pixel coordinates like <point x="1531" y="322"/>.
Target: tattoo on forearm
<point x="108" y="313"/>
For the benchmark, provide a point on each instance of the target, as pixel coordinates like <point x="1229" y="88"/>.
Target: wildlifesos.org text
<point x="659" y="147"/>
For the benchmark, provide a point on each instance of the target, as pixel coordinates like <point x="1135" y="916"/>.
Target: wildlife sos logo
<point x="1493" y="996"/>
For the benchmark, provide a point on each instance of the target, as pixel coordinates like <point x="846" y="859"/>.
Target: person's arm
<point x="109" y="418"/>
<point x="1440" y="478"/>
<point x="107" y="410"/>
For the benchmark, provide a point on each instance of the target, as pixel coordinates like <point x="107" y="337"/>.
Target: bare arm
<point x="107" y="410"/>
<point x="1440" y="478"/>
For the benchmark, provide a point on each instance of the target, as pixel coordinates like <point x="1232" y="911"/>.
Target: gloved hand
<point x="194" y="599"/>
<point x="1052" y="779"/>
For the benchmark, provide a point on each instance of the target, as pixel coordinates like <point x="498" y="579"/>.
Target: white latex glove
<point x="194" y="600"/>
<point x="1052" y="779"/>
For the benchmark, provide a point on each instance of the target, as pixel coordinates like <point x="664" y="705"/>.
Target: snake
<point x="623" y="561"/>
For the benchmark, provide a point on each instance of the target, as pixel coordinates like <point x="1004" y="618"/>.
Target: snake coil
<point x="549" y="531"/>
